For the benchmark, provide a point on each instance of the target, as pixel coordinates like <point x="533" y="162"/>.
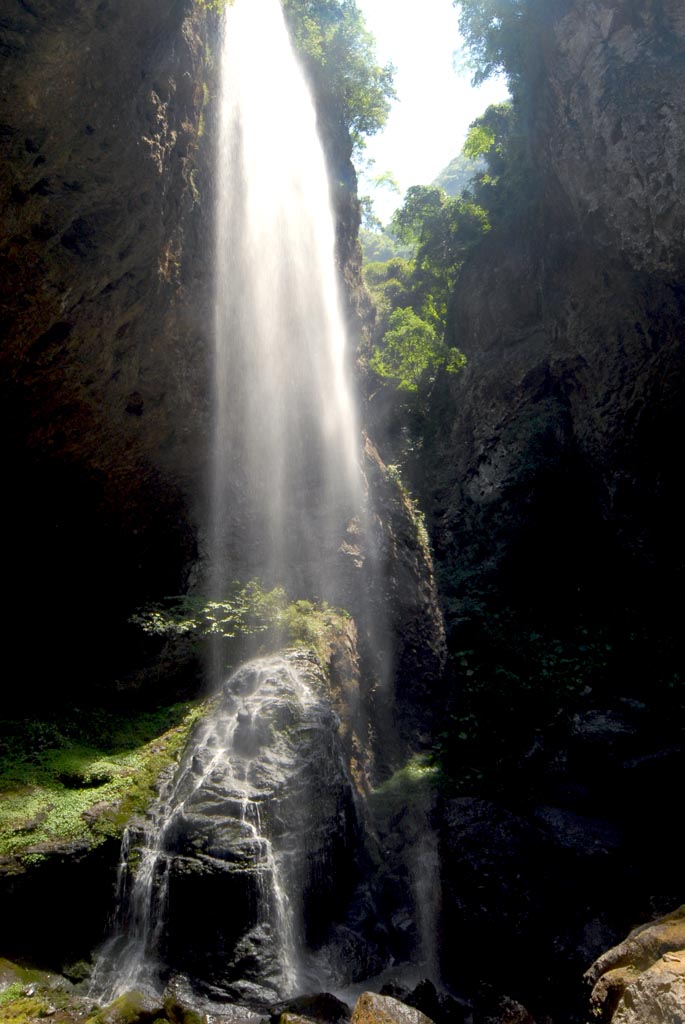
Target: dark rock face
<point x="551" y="468"/>
<point x="557" y="477"/>
<point x="103" y="355"/>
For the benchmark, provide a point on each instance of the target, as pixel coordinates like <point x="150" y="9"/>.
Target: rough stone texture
<point x="617" y="73"/>
<point x="642" y="980"/>
<point x="102" y="370"/>
<point x="555" y="474"/>
<point x="374" y="1009"/>
<point x="399" y="606"/>
<point x="276" y="804"/>
<point x="552" y="472"/>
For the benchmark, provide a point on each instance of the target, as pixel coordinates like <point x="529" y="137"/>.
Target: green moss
<point x="131" y="1008"/>
<point x="407" y="787"/>
<point x="10" y="993"/>
<point x="27" y="996"/>
<point x="68" y="790"/>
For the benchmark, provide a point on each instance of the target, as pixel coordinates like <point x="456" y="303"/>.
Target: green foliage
<point x="494" y="33"/>
<point x="491" y="135"/>
<point x="380" y="245"/>
<point x="456" y="177"/>
<point x="507" y="183"/>
<point x="267" y="619"/>
<point x="215" y="5"/>
<point x="480" y="139"/>
<point x="10" y="993"/>
<point x="412" y="351"/>
<point x="339" y="52"/>
<point x="86" y="776"/>
<point x="406" y="789"/>
<point x="412" y="294"/>
<point x="247" y="611"/>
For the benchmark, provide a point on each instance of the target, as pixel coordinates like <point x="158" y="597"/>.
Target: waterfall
<point x="256" y="828"/>
<point x="243" y="813"/>
<point x="286" y="438"/>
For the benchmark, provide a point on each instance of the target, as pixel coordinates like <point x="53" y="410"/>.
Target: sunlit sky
<point x="428" y="124"/>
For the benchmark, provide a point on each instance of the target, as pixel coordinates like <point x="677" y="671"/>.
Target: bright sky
<point x="428" y="124"/>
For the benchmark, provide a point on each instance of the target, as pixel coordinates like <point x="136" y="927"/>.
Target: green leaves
<point x="479" y="141"/>
<point x="412" y="295"/>
<point x="493" y="31"/>
<point x="247" y="611"/>
<point x="339" y="52"/>
<point x="412" y="351"/>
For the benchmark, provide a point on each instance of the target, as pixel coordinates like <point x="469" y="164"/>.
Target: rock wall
<point x="570" y="317"/>
<point x="106" y="131"/>
<point x="103" y="310"/>
<point x="551" y="469"/>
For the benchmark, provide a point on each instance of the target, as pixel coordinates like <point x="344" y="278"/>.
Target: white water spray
<point x="286" y="484"/>
<point x="286" y="437"/>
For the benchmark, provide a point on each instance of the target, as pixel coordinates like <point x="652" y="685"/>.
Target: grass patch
<point x="407" y="787"/>
<point x="82" y="778"/>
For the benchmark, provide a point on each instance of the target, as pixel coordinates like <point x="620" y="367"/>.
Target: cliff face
<point x="103" y="364"/>
<point x="552" y="470"/>
<point x="565" y="425"/>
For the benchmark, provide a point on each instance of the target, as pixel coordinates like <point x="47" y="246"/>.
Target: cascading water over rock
<point x="255" y="824"/>
<point x="247" y="865"/>
<point x="252" y="822"/>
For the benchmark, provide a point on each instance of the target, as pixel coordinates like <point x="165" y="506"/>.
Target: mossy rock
<point x="11" y="974"/>
<point x="178" y="1000"/>
<point x="374" y="1009"/>
<point x="131" y="1008"/>
<point x="28" y="995"/>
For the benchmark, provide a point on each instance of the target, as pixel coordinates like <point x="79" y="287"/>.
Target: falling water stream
<point x="286" y="480"/>
<point x="286" y="436"/>
<point x="232" y="753"/>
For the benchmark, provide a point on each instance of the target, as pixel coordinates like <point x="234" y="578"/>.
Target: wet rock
<point x="321" y="1007"/>
<point x="131" y="1008"/>
<point x="178" y="1004"/>
<point x="510" y="1011"/>
<point x="266" y="828"/>
<point x="440" y="1006"/>
<point x="374" y="1009"/>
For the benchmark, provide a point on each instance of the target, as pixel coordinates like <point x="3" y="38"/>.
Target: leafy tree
<point x="493" y="31"/>
<point x="457" y="176"/>
<point x="442" y="229"/>
<point x="379" y="245"/>
<point x="500" y="35"/>
<point x="339" y="52"/>
<point x="412" y="351"/>
<point x="490" y="134"/>
<point x="508" y="179"/>
<point x="412" y="294"/>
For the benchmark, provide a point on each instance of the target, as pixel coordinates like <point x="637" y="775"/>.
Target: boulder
<point x="130" y="1008"/>
<point x="642" y="980"/>
<point x="374" y="1009"/>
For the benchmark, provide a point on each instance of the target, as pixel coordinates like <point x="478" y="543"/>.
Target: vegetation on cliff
<point x="77" y="778"/>
<point x="247" y="620"/>
<point x="339" y="54"/>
